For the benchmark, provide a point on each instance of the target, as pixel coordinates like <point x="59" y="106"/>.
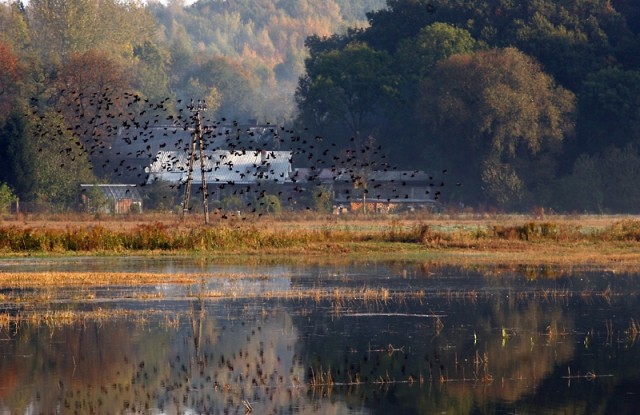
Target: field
<point x="610" y="242"/>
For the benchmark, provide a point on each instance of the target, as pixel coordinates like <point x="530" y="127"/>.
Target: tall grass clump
<point x="29" y="239"/>
<point x="625" y="230"/>
<point x="152" y="237"/>
<point x="92" y="238"/>
<point x="528" y="231"/>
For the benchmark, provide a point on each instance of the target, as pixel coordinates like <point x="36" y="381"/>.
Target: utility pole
<point x="197" y="140"/>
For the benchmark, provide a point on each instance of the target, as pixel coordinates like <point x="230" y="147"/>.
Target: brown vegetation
<point x="608" y="241"/>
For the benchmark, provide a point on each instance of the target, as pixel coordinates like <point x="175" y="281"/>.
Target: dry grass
<point x="92" y="279"/>
<point x="604" y="241"/>
<point x="305" y="220"/>
<point x="60" y="318"/>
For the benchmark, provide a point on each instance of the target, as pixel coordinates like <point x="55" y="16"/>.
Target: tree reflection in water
<point x="500" y="349"/>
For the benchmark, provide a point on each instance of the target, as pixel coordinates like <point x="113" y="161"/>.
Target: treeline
<point x="525" y="104"/>
<point x="63" y="62"/>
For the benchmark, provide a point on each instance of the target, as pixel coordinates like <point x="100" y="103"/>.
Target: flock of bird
<point x="214" y="363"/>
<point x="122" y="134"/>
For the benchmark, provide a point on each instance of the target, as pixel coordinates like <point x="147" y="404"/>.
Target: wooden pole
<point x="187" y="192"/>
<point x="205" y="202"/>
<point x="197" y="140"/>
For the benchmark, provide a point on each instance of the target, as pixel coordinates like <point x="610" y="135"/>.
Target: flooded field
<point x="358" y="338"/>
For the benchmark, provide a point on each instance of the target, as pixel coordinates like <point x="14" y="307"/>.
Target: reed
<point x="634" y="329"/>
<point x="64" y="317"/>
<point x="497" y="238"/>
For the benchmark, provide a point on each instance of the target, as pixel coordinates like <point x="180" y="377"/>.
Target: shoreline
<point x="602" y="242"/>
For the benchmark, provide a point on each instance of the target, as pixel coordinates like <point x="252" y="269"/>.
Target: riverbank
<point x="611" y="242"/>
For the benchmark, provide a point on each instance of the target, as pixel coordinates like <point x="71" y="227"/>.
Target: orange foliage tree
<point x="91" y="87"/>
<point x="9" y="77"/>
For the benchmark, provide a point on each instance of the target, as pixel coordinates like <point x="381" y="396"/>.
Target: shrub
<point x="7" y="197"/>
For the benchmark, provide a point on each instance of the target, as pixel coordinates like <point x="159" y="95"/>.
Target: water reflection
<point x="454" y="341"/>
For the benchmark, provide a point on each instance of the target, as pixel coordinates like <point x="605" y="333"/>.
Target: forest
<point x="523" y="104"/>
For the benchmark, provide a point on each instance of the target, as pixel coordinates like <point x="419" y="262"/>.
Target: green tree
<point x="152" y="64"/>
<point x="61" y="164"/>
<point x="582" y="189"/>
<point x="571" y="38"/>
<point x="346" y="89"/>
<point x="232" y="203"/>
<point x="16" y="154"/>
<point x="486" y="111"/>
<point x="603" y="182"/>
<point x="401" y="19"/>
<point x="7" y="197"/>
<point x="323" y="199"/>
<point x="417" y="56"/>
<point x="608" y="111"/>
<point x="233" y="89"/>
<point x="161" y="196"/>
<point x="268" y="203"/>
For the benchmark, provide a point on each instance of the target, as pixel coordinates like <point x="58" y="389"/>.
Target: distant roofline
<point x="108" y="185"/>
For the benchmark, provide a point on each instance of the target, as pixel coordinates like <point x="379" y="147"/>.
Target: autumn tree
<point x="90" y="90"/>
<point x="10" y="76"/>
<point x="486" y="112"/>
<point x="61" y="28"/>
<point x="415" y="60"/>
<point x="13" y="25"/>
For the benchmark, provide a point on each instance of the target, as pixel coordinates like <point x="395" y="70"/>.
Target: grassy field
<point x="611" y="242"/>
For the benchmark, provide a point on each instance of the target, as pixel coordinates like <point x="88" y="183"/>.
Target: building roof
<point x="223" y="166"/>
<point x="116" y="191"/>
<point x="346" y="175"/>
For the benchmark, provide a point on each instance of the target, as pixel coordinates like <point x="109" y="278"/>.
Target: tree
<point x="63" y="27"/>
<point x="90" y="90"/>
<point x="7" y="197"/>
<point x="161" y="196"/>
<point x="16" y="154"/>
<point x="401" y="19"/>
<point x="603" y="182"/>
<point x="415" y="60"/>
<point x="417" y="56"/>
<point x="233" y="89"/>
<point x="609" y="111"/>
<point x="323" y="199"/>
<point x="346" y="89"/>
<point x="10" y="76"/>
<point x="152" y="78"/>
<point x="268" y="203"/>
<point x="570" y="38"/>
<point x="487" y="110"/>
<point x="60" y="163"/>
<point x="13" y="25"/>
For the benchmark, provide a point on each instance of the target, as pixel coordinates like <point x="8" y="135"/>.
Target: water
<point x="360" y="338"/>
